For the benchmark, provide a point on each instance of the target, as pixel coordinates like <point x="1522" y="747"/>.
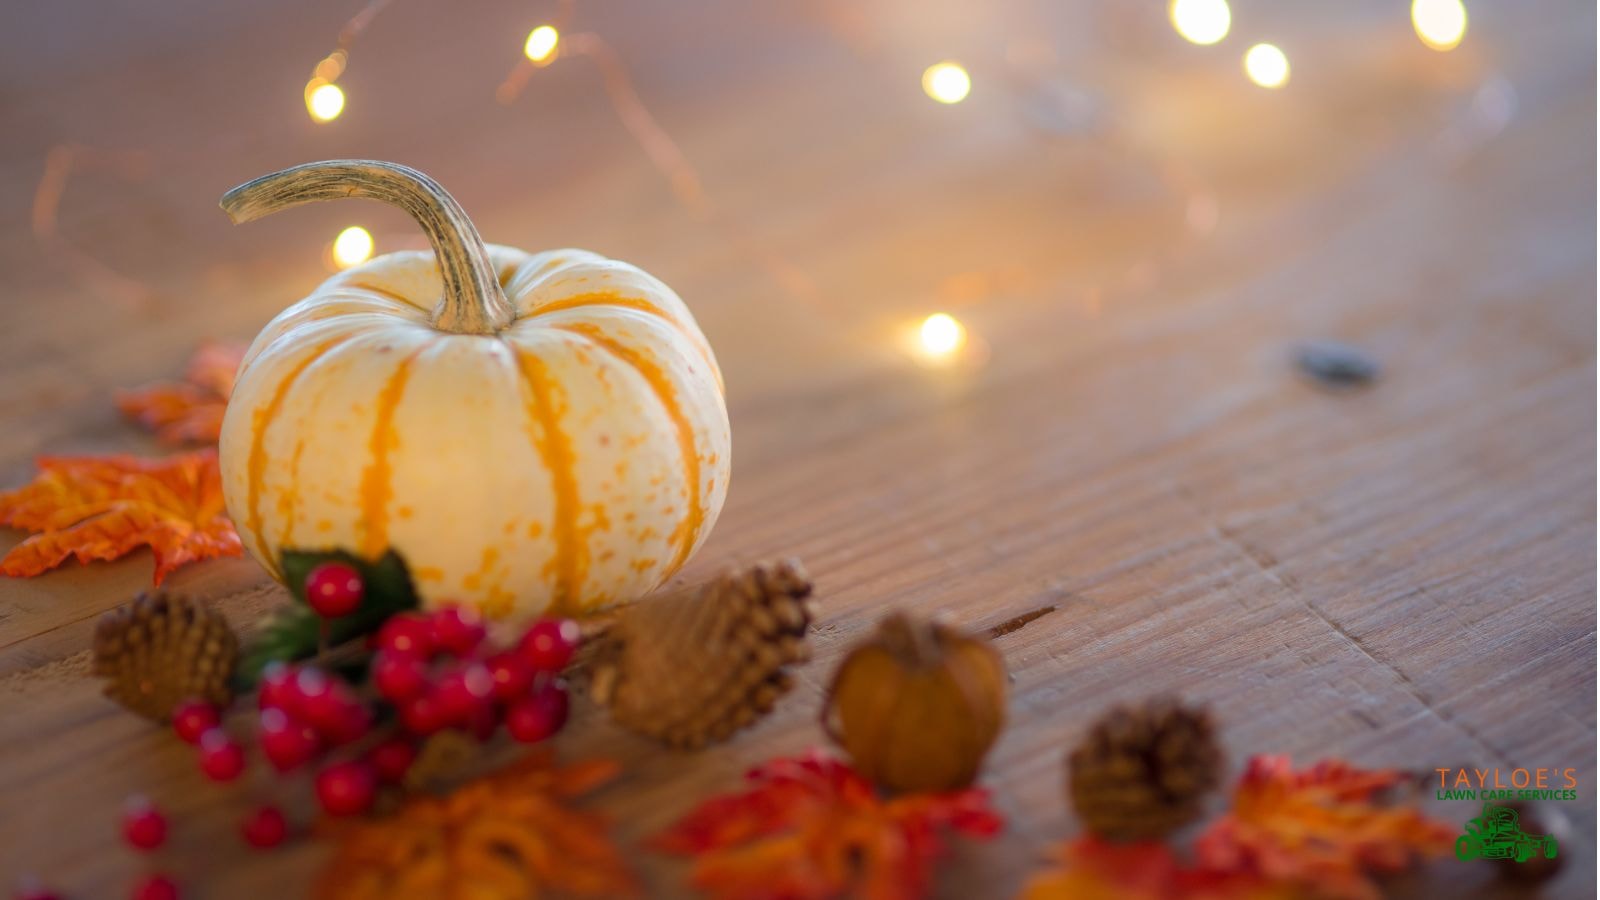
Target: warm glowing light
<point x="1267" y="66"/>
<point x="541" y="43"/>
<point x="325" y="101"/>
<point x="947" y="82"/>
<point x="942" y="335"/>
<point x="352" y="247"/>
<point x="1440" y="23"/>
<point x="1201" y="21"/>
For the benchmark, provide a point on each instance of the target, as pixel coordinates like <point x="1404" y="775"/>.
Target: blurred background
<point x="789" y="167"/>
<point x="1007" y="296"/>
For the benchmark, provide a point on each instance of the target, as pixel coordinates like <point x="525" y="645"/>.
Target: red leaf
<point x="811" y="828"/>
<point x="102" y="508"/>
<point x="1093" y="869"/>
<point x="1326" y="828"/>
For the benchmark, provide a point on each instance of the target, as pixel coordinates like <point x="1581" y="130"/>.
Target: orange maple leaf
<point x="511" y="834"/>
<point x="188" y="411"/>
<point x="812" y="828"/>
<point x="104" y="507"/>
<point x="1325" y="829"/>
<point x="1090" y="868"/>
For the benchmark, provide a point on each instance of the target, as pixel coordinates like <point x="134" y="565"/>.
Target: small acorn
<point x="917" y="705"/>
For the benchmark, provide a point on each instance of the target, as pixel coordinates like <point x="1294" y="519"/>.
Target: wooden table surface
<point x="1137" y="238"/>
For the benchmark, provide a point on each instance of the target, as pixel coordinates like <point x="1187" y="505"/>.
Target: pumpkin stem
<point x="473" y="302"/>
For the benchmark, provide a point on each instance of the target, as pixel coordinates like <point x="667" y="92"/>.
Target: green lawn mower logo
<point x="1496" y="835"/>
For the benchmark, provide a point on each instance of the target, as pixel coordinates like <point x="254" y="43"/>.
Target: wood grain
<point x="1401" y="574"/>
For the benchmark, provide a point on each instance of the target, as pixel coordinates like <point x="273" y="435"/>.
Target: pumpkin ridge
<point x="256" y="462"/>
<point x="383" y="292"/>
<point x="377" y="480"/>
<point x="637" y="304"/>
<point x="688" y="528"/>
<point x="571" y="560"/>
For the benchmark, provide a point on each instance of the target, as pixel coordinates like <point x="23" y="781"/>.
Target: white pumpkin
<point x="533" y="433"/>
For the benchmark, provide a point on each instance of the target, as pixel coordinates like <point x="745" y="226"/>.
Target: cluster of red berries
<point x="437" y="673"/>
<point x="438" y="670"/>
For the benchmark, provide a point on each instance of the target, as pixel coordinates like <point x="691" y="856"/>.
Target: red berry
<point x="143" y="826"/>
<point x="192" y="718"/>
<point x="463" y="692"/>
<point x="221" y="757"/>
<point x="155" y="887"/>
<point x="392" y="758"/>
<point x="334" y="589"/>
<point x="276" y="686"/>
<point x="346" y="788"/>
<point x="512" y="676"/>
<point x="266" y="827"/>
<point x="538" y="715"/>
<point x="329" y="706"/>
<point x="286" y="742"/>
<point x="407" y="634"/>
<point x="483" y="722"/>
<point x="548" y="644"/>
<point x="353" y="723"/>
<point x="457" y="629"/>
<point x="399" y="677"/>
<point x="422" y="715"/>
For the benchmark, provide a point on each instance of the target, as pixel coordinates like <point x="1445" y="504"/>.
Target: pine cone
<point x="1143" y="772"/>
<point x="693" y="667"/>
<point x="162" y="649"/>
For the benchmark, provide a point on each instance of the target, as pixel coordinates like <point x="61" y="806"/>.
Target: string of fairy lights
<point x="940" y="338"/>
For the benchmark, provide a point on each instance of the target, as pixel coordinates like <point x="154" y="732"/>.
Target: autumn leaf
<point x="106" y="507"/>
<point x="811" y="827"/>
<point x="511" y="834"/>
<point x="1327" y="828"/>
<point x="1090" y="868"/>
<point x="188" y="411"/>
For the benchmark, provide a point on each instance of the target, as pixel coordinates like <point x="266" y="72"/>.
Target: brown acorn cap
<point x="1143" y="771"/>
<point x="692" y="667"/>
<point x="162" y="649"/>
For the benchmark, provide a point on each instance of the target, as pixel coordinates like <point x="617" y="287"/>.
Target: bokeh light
<point x="1267" y="66"/>
<point x="1440" y="23"/>
<point x="352" y="247"/>
<point x="946" y="82"/>
<point x="1201" y="21"/>
<point x="324" y="100"/>
<point x="942" y="335"/>
<point x="541" y="43"/>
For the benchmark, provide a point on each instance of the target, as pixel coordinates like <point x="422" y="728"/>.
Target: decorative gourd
<point x="532" y="432"/>
<point x="917" y="705"/>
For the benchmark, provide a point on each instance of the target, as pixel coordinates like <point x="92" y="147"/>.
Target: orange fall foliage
<point x="102" y="508"/>
<point x="511" y="834"/>
<point x="1322" y="832"/>
<point x="188" y="411"/>
<point x="810" y="828"/>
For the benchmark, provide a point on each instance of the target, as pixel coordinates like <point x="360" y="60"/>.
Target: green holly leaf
<point x="297" y="632"/>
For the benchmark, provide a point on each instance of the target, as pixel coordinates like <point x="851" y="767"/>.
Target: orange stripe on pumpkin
<point x="613" y="298"/>
<point x="570" y="565"/>
<point x="256" y="462"/>
<point x="688" y="528"/>
<point x="377" y="480"/>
